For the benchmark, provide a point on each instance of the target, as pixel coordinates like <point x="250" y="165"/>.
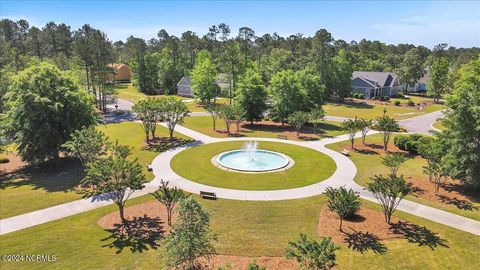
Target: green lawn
<point x="132" y="94"/>
<point x="56" y="185"/>
<point x="197" y="106"/>
<point x="369" y="164"/>
<point x="370" y="111"/>
<point x="310" y="167"/>
<point x="439" y="125"/>
<point x="203" y="124"/>
<point x="244" y="229"/>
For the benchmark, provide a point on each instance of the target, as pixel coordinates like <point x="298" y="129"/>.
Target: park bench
<point x="345" y="152"/>
<point x="208" y="195"/>
<point x="282" y="137"/>
<point x="149" y="167"/>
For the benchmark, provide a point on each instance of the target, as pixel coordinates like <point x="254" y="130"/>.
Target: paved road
<point x="421" y="124"/>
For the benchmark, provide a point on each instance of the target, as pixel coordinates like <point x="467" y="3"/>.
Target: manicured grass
<point x="244" y="229"/>
<point x="197" y="106"/>
<point x="310" y="167"/>
<point x="372" y="111"/>
<point x="370" y="164"/>
<point x="132" y="94"/>
<point x="203" y="124"/>
<point x="439" y="125"/>
<point x="56" y="185"/>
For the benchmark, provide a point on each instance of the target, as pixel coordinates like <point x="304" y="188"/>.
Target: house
<point x="122" y="72"/>
<point x="184" y="88"/>
<point x="422" y="85"/>
<point x="375" y="84"/>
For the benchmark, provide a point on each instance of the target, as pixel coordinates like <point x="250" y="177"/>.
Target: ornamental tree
<point x="87" y="144"/>
<point x="438" y="81"/>
<point x="190" y="237"/>
<point x="364" y="127"/>
<point x="389" y="192"/>
<point x="316" y="115"/>
<point x="169" y="197"/>
<point x="45" y="106"/>
<point x="311" y="253"/>
<point x="115" y="175"/>
<point x="393" y="162"/>
<point x="343" y="202"/>
<point x="226" y="113"/>
<point x="149" y="112"/>
<point x="297" y="120"/>
<point x="173" y="112"/>
<point x="351" y="127"/>
<point x="213" y="109"/>
<point x="386" y="125"/>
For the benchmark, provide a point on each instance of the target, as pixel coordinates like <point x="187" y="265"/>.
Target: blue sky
<point x="426" y="23"/>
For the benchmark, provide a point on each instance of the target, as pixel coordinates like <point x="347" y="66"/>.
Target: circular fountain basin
<point x="253" y="161"/>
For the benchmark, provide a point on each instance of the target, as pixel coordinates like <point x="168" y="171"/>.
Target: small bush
<point x="400" y="142"/>
<point x="4" y="160"/>
<point x="397" y="102"/>
<point x="411" y="103"/>
<point x="360" y="96"/>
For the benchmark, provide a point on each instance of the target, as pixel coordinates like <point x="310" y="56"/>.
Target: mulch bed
<point x="14" y="164"/>
<point x="366" y="223"/>
<point x="162" y="144"/>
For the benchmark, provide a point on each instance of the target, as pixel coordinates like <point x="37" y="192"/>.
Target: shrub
<point x="397" y="102"/>
<point x="411" y="103"/>
<point x="360" y="96"/>
<point x="4" y="160"/>
<point x="400" y="142"/>
<point x="411" y="142"/>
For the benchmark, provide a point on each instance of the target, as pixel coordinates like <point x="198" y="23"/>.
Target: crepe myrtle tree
<point x="148" y="112"/>
<point x="213" y="109"/>
<point x="351" y="127"/>
<point x="316" y="115"/>
<point x="344" y="202"/>
<point x="226" y="112"/>
<point x="115" y="175"/>
<point x="364" y="127"/>
<point x="191" y="237"/>
<point x="386" y="125"/>
<point x="169" y="197"/>
<point x="88" y="144"/>
<point x="174" y="112"/>
<point x="238" y="115"/>
<point x="393" y="162"/>
<point x="389" y="192"/>
<point x="312" y="254"/>
<point x="298" y="120"/>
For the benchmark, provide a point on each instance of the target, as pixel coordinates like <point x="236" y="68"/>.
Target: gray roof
<point x="375" y="78"/>
<point x="185" y="80"/>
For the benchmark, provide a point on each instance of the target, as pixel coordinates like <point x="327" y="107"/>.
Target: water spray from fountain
<point x="250" y="148"/>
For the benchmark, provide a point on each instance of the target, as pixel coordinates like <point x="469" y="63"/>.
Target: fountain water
<point x="250" y="148"/>
<point x="251" y="159"/>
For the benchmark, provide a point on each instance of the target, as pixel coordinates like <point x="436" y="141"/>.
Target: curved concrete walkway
<point x="343" y="176"/>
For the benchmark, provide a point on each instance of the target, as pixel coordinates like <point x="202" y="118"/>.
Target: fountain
<point x="251" y="159"/>
<point x="250" y="147"/>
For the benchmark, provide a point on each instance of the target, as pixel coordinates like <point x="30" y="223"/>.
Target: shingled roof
<point x="375" y="78"/>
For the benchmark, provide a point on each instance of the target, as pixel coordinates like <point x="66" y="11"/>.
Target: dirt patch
<point x="372" y="148"/>
<point x="306" y="133"/>
<point x="241" y="263"/>
<point x="162" y="144"/>
<point x="365" y="222"/>
<point x="153" y="210"/>
<point x="451" y="192"/>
